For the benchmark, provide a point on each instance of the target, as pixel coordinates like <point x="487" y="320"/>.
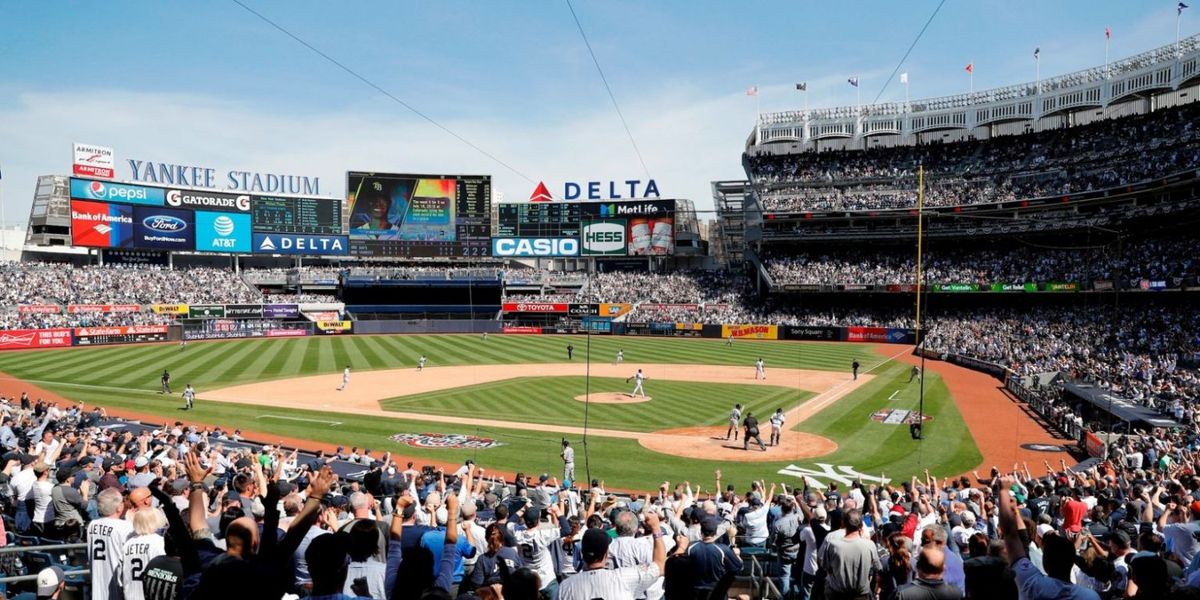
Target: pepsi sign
<point x="107" y="191"/>
<point x="163" y="228"/>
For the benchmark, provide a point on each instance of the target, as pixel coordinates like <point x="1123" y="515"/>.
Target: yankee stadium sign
<point x="205" y="177"/>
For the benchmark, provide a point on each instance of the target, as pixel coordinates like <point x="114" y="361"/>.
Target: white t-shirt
<point x="534" y="547"/>
<point x="106" y="540"/>
<point x="135" y="555"/>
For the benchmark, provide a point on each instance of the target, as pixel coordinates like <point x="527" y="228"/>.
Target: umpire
<point x="750" y="423"/>
<point x="166" y="383"/>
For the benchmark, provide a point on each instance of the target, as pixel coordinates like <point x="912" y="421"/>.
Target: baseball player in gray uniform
<point x="777" y="421"/>
<point x="735" y="419"/>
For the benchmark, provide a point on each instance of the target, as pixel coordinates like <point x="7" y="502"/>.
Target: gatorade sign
<point x="604" y="238"/>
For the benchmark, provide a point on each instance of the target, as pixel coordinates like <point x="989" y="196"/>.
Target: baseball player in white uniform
<point x="777" y="421"/>
<point x="421" y="363"/>
<point x="189" y="397"/>
<point x="760" y="369"/>
<point x="637" y="389"/>
<point x="568" y="457"/>
<point x="345" y="378"/>
<point x="735" y="420"/>
<point x="620" y="356"/>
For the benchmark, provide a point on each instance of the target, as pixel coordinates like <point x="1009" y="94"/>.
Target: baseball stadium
<point x="926" y="346"/>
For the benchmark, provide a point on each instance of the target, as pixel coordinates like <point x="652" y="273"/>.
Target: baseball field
<point x="508" y="401"/>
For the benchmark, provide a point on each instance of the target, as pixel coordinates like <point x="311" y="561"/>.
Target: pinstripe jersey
<point x="106" y="540"/>
<point x="609" y="584"/>
<point x="136" y="555"/>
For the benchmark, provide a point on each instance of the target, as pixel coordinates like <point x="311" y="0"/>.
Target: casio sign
<point x="535" y="247"/>
<point x="604" y="238"/>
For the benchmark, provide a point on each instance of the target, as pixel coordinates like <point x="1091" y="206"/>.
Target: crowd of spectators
<point x="1099" y="155"/>
<point x="1155" y="259"/>
<point x="13" y="319"/>
<point x="58" y="283"/>
<point x="189" y="512"/>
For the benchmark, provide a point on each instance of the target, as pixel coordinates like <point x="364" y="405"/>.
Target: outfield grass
<point x="123" y="377"/>
<point x="551" y="400"/>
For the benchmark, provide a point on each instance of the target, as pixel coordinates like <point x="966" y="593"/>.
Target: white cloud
<point x="687" y="140"/>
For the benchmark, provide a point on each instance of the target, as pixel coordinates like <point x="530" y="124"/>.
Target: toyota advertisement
<point x="163" y="228"/>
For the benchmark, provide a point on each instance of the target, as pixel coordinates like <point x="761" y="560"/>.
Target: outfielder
<point x="620" y="356"/>
<point x="777" y="421"/>
<point x="735" y="417"/>
<point x="760" y="369"/>
<point x="345" y="378"/>
<point x="484" y="336"/>
<point x="729" y="342"/>
<point x="189" y="396"/>
<point x="914" y="373"/>
<point x="421" y="363"/>
<point x="637" y="389"/>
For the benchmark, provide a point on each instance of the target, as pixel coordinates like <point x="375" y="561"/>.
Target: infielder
<point x="189" y="397"/>
<point x="760" y="369"/>
<point x="166" y="382"/>
<point x="777" y="421"/>
<point x="637" y="389"/>
<point x="345" y="378"/>
<point x="421" y="363"/>
<point x="620" y="356"/>
<point x="914" y="373"/>
<point x="735" y="417"/>
<point x="568" y="458"/>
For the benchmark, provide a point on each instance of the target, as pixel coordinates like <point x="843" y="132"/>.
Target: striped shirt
<point x="610" y="584"/>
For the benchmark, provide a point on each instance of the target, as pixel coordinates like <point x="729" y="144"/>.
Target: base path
<point x="368" y="388"/>
<point x="999" y="425"/>
<point x="612" y="398"/>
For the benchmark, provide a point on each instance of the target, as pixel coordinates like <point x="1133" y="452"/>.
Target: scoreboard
<point x="393" y="214"/>
<point x="279" y="214"/>
<point x="538" y="219"/>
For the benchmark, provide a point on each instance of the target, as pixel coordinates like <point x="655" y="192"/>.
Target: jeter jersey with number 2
<point x="136" y="555"/>
<point x="106" y="540"/>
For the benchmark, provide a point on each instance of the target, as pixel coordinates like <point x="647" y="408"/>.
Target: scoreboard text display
<point x="280" y="214"/>
<point x="538" y="219"/>
<point x="638" y="227"/>
<point x="419" y="215"/>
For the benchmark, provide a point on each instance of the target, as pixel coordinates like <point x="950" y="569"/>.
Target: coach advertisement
<point x="90" y="336"/>
<point x="803" y="332"/>
<point x="25" y="339"/>
<point x="583" y="310"/>
<point x="756" y="332"/>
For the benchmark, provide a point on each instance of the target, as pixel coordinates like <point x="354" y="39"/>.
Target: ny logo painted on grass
<point x="843" y="475"/>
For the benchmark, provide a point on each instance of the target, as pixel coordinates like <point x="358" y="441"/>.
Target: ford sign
<point x="164" y="223"/>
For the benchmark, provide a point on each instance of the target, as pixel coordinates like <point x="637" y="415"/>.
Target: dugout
<point x="1100" y="404"/>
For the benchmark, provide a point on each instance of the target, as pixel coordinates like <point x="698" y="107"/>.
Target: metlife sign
<point x="628" y="208"/>
<point x="204" y="200"/>
<point x="290" y="243"/>
<point x="223" y="232"/>
<point x="107" y="191"/>
<point x="535" y="247"/>
<point x="604" y="237"/>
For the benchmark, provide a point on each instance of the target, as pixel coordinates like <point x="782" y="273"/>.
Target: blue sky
<point x="209" y="84"/>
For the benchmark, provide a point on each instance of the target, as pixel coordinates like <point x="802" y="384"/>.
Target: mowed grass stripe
<point x="97" y="363"/>
<point x="264" y="353"/>
<point x="225" y="361"/>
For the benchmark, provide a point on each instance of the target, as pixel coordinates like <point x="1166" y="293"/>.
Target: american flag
<point x="853" y="81"/>
<point x="1179" y="9"/>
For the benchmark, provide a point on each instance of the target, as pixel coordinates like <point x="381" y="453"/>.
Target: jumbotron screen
<point x="419" y="215"/>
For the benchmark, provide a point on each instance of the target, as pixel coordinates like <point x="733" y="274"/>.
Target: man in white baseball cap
<point x="50" y="582"/>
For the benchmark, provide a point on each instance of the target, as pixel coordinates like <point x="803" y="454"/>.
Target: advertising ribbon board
<point x="758" y="332"/>
<point x="169" y="309"/>
<point x="25" y="339"/>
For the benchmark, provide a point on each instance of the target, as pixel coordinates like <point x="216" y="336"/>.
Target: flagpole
<point x="1178" y="18"/>
<point x="1106" y="41"/>
<point x="905" y="94"/>
<point x="1037" y="66"/>
<point x="972" y="78"/>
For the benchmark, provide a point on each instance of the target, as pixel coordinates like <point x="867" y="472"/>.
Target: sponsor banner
<point x="135" y="257"/>
<point x="281" y="311"/>
<point x="1152" y="284"/>
<point x="101" y="225"/>
<point x="1013" y="287"/>
<point x="91" y="336"/>
<point x="536" y="307"/>
<point x="243" y="311"/>
<point x="206" y="311"/>
<point x="614" y="310"/>
<point x="540" y="247"/>
<point x="164" y="228"/>
<point x="287" y="332"/>
<point x="627" y="209"/>
<point x="856" y="287"/>
<point x="954" y="287"/>
<point x="39" y="309"/>
<point x="1061" y="286"/>
<point x="866" y="334"/>
<point x="901" y="287"/>
<point x="230" y="334"/>
<point x="901" y="336"/>
<point x="803" y="287"/>
<point x="331" y="326"/>
<point x="293" y="243"/>
<point x="106" y="191"/>
<point x="1096" y="448"/>
<point x="24" y="339"/>
<point x="208" y="200"/>
<point x="898" y="416"/>
<point x="522" y="329"/>
<point x="223" y="232"/>
<point x="606" y="237"/>
<point x="169" y="309"/>
<point x="103" y="308"/>
<point x="1102" y="286"/>
<point x="583" y="310"/>
<point x="445" y="441"/>
<point x="92" y="161"/>
<point x="805" y="332"/>
<point x="689" y="326"/>
<point x="758" y="332"/>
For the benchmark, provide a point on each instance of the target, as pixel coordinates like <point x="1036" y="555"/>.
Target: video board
<point x="614" y="228"/>
<point x="409" y="215"/>
<point x="538" y="219"/>
<point x="282" y="214"/>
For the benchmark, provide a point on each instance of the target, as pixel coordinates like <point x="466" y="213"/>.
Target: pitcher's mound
<point x="611" y="398"/>
<point x="709" y="443"/>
